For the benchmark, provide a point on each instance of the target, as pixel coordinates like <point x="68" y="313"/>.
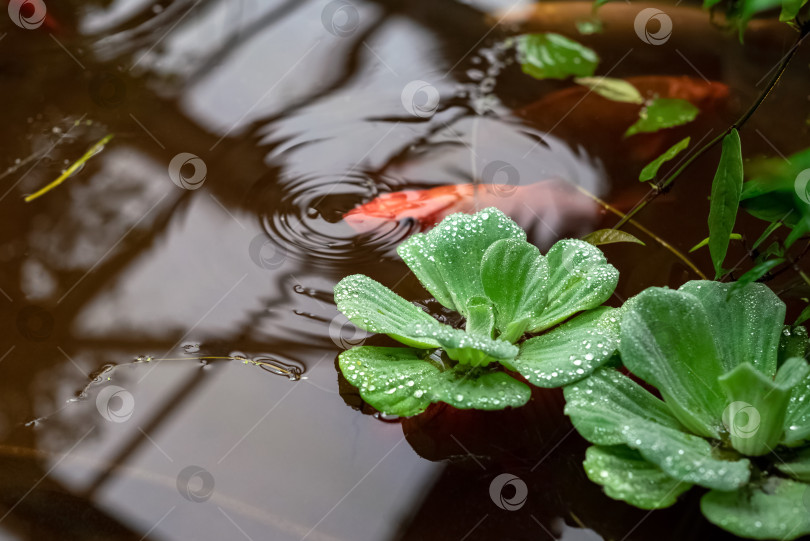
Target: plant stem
<point x="646" y="231"/>
<point x="661" y="186"/>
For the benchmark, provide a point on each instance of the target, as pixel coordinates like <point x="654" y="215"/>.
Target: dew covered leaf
<point x="793" y="342"/>
<point x="571" y="351"/>
<point x="552" y="56"/>
<point x="651" y="169"/>
<point x="774" y="510"/>
<point x="580" y="278"/>
<point x="610" y="236"/>
<point x="447" y="259"/>
<point x="375" y="308"/>
<point x="395" y="381"/>
<point x="725" y="199"/>
<point x="757" y="404"/>
<point x="746" y="324"/>
<point x="627" y="476"/>
<point x="608" y="408"/>
<point x="797" y="419"/>
<point x="666" y="340"/>
<point x="612" y="89"/>
<point x="466" y="348"/>
<point x="663" y="113"/>
<point x="466" y="388"/>
<point x="515" y="277"/>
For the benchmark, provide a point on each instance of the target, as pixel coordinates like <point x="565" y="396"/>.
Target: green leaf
<point x="628" y="477"/>
<point x="515" y="277"/>
<point x="571" y="351"/>
<point x="774" y="510"/>
<point x="610" y="236"/>
<point x="403" y="381"/>
<point x="651" y="169"/>
<point x="794" y="342"/>
<point x="757" y="404"/>
<point x="608" y="408"/>
<point x="666" y="341"/>
<point x="790" y="9"/>
<point x="396" y="381"/>
<point x="447" y="259"/>
<point x="725" y="199"/>
<point x="473" y="389"/>
<point x="600" y="404"/>
<point x="797" y="418"/>
<point x="552" y="56"/>
<point x="481" y="321"/>
<point x="804" y="315"/>
<point x="612" y="89"/>
<point x="745" y="324"/>
<point x="375" y="308"/>
<point x="580" y="279"/>
<point x="663" y="113"/>
<point x="463" y="347"/>
<point x="705" y="242"/>
<point x="798" y="466"/>
<point x="755" y="273"/>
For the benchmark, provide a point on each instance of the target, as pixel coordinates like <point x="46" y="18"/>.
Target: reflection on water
<point x="149" y="381"/>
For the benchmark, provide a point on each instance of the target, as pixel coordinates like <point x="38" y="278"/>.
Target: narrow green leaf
<point x="756" y="272"/>
<point x="627" y="476"/>
<point x="746" y="324"/>
<point x="756" y="408"/>
<point x="552" y="56"/>
<point x="725" y="199"/>
<point x="663" y="113"/>
<point x="569" y="352"/>
<point x="773" y="510"/>
<point x="384" y="375"/>
<point x="651" y="169"/>
<point x="804" y="316"/>
<point x="790" y="9"/>
<point x="705" y="242"/>
<point x="612" y="89"/>
<point x="580" y="278"/>
<point x="666" y="340"/>
<point x="608" y="408"/>
<point x="515" y="277"/>
<point x="765" y="234"/>
<point x="447" y="259"/>
<point x="610" y="236"/>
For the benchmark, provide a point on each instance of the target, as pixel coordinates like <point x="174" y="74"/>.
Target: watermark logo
<point x="801" y="186"/>
<point x="516" y="501"/>
<point x="196" y="484"/>
<point x="265" y="253"/>
<point x="420" y="99"/>
<point x="501" y="178"/>
<point x="107" y="90"/>
<point x="115" y="404"/>
<point x="340" y="18"/>
<point x="28" y="14"/>
<point x="642" y="24"/>
<point x="34" y="323"/>
<point x="178" y="171"/>
<point x="741" y="419"/>
<point x="345" y="334"/>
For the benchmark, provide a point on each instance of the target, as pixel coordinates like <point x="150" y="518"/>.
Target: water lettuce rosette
<point x="481" y="266"/>
<point x="733" y="414"/>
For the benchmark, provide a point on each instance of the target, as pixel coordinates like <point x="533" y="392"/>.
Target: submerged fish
<point x="550" y="206"/>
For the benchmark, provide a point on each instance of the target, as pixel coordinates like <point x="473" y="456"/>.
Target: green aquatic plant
<point x="734" y="412"/>
<point x="482" y="267"/>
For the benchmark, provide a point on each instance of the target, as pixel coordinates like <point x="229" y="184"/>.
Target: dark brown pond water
<point x="292" y="113"/>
